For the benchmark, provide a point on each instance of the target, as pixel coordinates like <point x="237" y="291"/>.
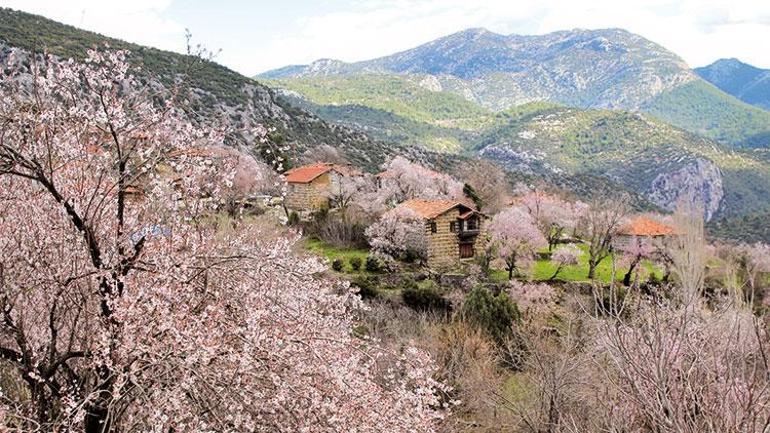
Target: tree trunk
<point x="629" y="274"/>
<point x="553" y="277"/>
<point x="592" y="269"/>
<point x="97" y="413"/>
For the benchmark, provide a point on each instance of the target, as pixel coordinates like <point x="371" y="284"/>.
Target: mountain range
<point x="608" y="68"/>
<point x="214" y="90"/>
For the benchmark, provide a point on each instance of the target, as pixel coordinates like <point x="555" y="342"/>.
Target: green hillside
<point x="701" y="108"/>
<point x="551" y="141"/>
<point x="217" y="89"/>
<point x="400" y="95"/>
<point x="629" y="148"/>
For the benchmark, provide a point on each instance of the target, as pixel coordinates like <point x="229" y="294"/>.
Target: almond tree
<point x="567" y="255"/>
<point x="636" y="250"/>
<point x="755" y="259"/>
<point x="126" y="313"/>
<point x="553" y="215"/>
<point x="488" y="181"/>
<point x="398" y="233"/>
<point x="402" y="180"/>
<point x="514" y="238"/>
<point x="682" y="368"/>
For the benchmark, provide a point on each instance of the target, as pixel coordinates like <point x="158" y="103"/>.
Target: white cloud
<point x="139" y="21"/>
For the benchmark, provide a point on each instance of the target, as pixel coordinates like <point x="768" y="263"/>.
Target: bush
<point x="293" y="219"/>
<point x="495" y="315"/>
<point x="355" y="263"/>
<point x="367" y="287"/>
<point x="373" y="264"/>
<point x="337" y="265"/>
<point x="424" y="298"/>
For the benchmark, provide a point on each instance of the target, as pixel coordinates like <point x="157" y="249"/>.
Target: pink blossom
<point x="126" y="313"/>
<point x="514" y="238"/>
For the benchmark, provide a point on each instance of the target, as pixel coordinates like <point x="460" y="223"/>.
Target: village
<point x="408" y="218"/>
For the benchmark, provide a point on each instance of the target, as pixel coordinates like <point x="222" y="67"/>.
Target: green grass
<point x="543" y="269"/>
<point x="330" y="252"/>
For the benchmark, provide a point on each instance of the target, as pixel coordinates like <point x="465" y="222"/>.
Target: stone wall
<point x="309" y="196"/>
<point x="443" y="246"/>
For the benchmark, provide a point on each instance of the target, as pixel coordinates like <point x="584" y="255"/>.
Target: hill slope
<point x="648" y="156"/>
<point x="747" y="83"/>
<point x="214" y="89"/>
<point x="609" y="68"/>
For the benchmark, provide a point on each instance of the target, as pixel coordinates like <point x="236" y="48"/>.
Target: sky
<point x="255" y="36"/>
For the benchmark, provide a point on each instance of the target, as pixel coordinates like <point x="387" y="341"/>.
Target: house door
<point x="466" y="250"/>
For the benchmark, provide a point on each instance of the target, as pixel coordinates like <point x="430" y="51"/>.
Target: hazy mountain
<point x="609" y="68"/>
<point x="747" y="83"/>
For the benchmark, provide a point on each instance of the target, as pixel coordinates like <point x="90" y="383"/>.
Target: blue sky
<point x="255" y="36"/>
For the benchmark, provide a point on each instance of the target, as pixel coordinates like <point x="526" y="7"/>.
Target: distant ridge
<point x="605" y="68"/>
<point x="746" y="82"/>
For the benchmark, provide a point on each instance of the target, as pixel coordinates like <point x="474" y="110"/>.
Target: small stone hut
<point x="454" y="231"/>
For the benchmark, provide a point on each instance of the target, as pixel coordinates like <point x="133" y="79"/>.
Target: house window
<point x="473" y="223"/>
<point x="452" y="226"/>
<point x="433" y="228"/>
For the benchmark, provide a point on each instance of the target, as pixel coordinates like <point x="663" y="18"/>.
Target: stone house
<point x="454" y="231"/>
<point x="310" y="186"/>
<point x="644" y="230"/>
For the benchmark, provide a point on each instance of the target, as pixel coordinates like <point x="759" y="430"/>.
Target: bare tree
<point x="602" y="219"/>
<point x="688" y="251"/>
<point x="323" y="153"/>
<point x="488" y="181"/>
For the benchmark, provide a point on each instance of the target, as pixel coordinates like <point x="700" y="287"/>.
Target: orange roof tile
<point x="644" y="226"/>
<point x="430" y="209"/>
<point x="307" y="173"/>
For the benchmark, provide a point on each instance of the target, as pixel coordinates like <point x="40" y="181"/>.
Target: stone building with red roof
<point x="454" y="231"/>
<point x="644" y="229"/>
<point x="310" y="186"/>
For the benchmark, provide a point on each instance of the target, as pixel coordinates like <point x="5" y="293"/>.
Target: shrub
<point x="293" y="218"/>
<point x="355" y="263"/>
<point x="367" y="287"/>
<point x="496" y="315"/>
<point x="424" y="298"/>
<point x="337" y="265"/>
<point x="373" y="264"/>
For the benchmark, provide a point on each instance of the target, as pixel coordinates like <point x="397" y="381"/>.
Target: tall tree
<point x="487" y="180"/>
<point x="125" y="313"/>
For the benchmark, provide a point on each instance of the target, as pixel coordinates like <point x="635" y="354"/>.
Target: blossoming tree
<point x="398" y="233"/>
<point x="553" y="215"/>
<point x="125" y="313"/>
<point x="402" y="180"/>
<point x="514" y="238"/>
<point x="567" y="255"/>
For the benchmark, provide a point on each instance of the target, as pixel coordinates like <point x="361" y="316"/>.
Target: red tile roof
<point x="644" y="226"/>
<point x="430" y="209"/>
<point x="307" y="173"/>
